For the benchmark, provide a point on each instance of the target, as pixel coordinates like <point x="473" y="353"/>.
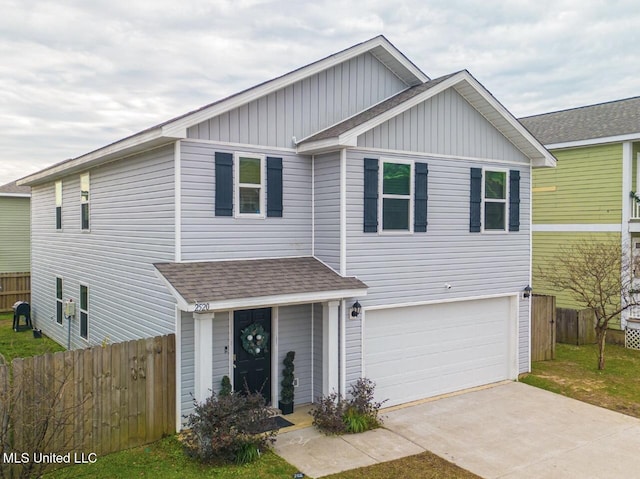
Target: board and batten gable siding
<point x="305" y="107"/>
<point x="327" y="209"/>
<point x="132" y="226"/>
<point x="15" y="234"/>
<point x="445" y="124"/>
<point x="206" y="236"/>
<point x="584" y="188"/>
<point x="294" y="334"/>
<point x="409" y="268"/>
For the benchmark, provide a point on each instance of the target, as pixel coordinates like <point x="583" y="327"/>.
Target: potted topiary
<point x="286" y="395"/>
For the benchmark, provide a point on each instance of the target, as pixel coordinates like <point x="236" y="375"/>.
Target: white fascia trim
<point x="242" y="146"/>
<point x="325" y="146"/>
<point x="440" y="301"/>
<point x="179" y="126"/>
<point x="180" y="301"/>
<point x="281" y="299"/>
<point x="15" y="195"/>
<point x="583" y="228"/>
<point x="594" y="141"/>
<point x="420" y="155"/>
<point x="351" y="136"/>
<point x="548" y="159"/>
<point x="120" y="150"/>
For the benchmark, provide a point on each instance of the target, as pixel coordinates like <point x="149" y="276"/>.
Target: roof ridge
<point x="583" y="107"/>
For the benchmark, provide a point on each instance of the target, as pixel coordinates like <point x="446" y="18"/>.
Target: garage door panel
<point x="417" y="352"/>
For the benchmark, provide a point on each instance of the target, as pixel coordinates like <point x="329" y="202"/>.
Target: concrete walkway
<point x="507" y="431"/>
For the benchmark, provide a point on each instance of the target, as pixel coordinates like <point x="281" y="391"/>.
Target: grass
<point x="165" y="459"/>
<point x="22" y="344"/>
<point x="574" y="373"/>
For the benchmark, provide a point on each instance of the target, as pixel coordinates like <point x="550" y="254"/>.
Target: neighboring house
<point x="15" y="230"/>
<point x="271" y="213"/>
<point x="588" y="195"/>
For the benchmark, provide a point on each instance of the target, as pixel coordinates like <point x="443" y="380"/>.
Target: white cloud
<point x="77" y="75"/>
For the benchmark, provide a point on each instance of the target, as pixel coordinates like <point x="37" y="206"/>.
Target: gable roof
<point x="176" y="128"/>
<point x="345" y="133"/>
<point x="224" y="285"/>
<point x="13" y="189"/>
<point x="602" y="123"/>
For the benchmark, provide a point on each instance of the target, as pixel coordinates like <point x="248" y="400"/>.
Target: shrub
<point x="229" y="428"/>
<point x="287" y="392"/>
<point x="334" y="414"/>
<point x="225" y="386"/>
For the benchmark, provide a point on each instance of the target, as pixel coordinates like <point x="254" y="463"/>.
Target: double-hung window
<point x="84" y="311"/>
<point x="495" y="200"/>
<point x="396" y="185"/>
<point x="59" y="302"/>
<point x="58" y="188"/>
<point x="84" y="201"/>
<point x="250" y="185"/>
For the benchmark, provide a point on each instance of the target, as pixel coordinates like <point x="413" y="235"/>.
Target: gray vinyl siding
<point x="221" y="348"/>
<point x="317" y="352"/>
<point x="445" y="124"/>
<point x="408" y="268"/>
<point x="327" y="209"/>
<point x="187" y="363"/>
<point x="353" y="335"/>
<point x="132" y="218"/>
<point x="294" y="334"/>
<point x="304" y="107"/>
<point x="220" y="366"/>
<point x="524" y="322"/>
<point x="206" y="236"/>
<point x="15" y="234"/>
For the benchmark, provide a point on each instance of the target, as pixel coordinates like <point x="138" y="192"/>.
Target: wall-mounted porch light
<point x="356" y="309"/>
<point x="526" y="292"/>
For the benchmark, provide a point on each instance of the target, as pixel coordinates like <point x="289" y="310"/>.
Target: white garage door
<point x="422" y="351"/>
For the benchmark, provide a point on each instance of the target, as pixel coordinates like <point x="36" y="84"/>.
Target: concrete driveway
<point x="509" y="430"/>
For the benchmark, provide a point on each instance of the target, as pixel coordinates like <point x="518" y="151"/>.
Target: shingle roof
<point x="212" y="281"/>
<point x="621" y="117"/>
<point x="366" y="115"/>
<point x="13" y="189"/>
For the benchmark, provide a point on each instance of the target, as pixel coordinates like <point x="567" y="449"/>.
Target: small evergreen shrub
<point x="229" y="428"/>
<point x="225" y="386"/>
<point x="334" y="414"/>
<point x="287" y="392"/>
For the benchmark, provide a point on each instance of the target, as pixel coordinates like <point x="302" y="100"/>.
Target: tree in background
<point x="598" y="277"/>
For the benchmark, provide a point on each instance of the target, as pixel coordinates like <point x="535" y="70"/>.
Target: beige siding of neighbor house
<point x="15" y="234"/>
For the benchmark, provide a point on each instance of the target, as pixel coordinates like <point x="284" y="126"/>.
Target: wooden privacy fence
<point x="575" y="327"/>
<point x="543" y="327"/>
<point x="97" y="400"/>
<point x="14" y="287"/>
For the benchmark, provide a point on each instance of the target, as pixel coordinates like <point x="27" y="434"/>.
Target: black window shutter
<point x="476" y="200"/>
<point x="274" y="187"/>
<point x="514" y="200"/>
<point x="224" y="184"/>
<point x="421" y="196"/>
<point x="370" y="195"/>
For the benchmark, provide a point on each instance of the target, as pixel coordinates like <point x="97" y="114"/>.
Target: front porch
<point x="292" y="304"/>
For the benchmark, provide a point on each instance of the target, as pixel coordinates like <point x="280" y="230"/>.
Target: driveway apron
<point x="510" y="430"/>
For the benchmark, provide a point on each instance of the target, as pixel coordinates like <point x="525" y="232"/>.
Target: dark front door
<point x="252" y="350"/>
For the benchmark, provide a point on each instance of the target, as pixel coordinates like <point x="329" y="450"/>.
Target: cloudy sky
<point x="78" y="74"/>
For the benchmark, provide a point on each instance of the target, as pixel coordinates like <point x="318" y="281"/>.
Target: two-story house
<point x="589" y="194"/>
<point x="15" y="235"/>
<point x="369" y="218"/>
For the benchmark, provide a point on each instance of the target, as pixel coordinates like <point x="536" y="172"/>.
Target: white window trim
<point x="237" y="185"/>
<point x="88" y="202"/>
<point x="61" y="301"/>
<point x="381" y="196"/>
<point x="505" y="201"/>
<point x="58" y="184"/>
<point x="80" y="311"/>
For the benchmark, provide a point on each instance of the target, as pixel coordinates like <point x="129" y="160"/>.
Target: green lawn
<point x="22" y="344"/>
<point x="574" y="373"/>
